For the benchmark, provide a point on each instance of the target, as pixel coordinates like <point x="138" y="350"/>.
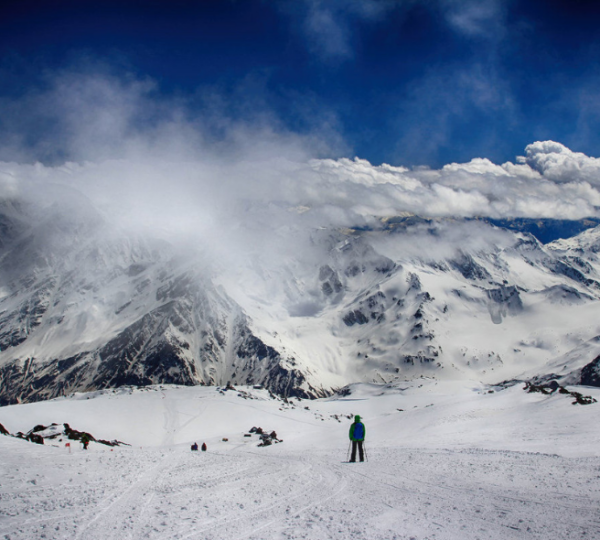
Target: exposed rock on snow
<point x="266" y="438"/>
<point x="57" y="432"/>
<point x="504" y="301"/>
<point x="553" y="386"/>
<point x="590" y="374"/>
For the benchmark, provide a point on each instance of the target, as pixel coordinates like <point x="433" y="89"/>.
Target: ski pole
<point x="365" y="448"/>
<point x="348" y="455"/>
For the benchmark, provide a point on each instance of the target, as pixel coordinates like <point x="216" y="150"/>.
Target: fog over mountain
<point x="157" y="252"/>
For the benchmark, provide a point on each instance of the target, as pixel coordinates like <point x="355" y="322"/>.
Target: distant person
<point x="204" y="447"/>
<point x="85" y="440"/>
<point x="195" y="447"/>
<point x="357" y="436"/>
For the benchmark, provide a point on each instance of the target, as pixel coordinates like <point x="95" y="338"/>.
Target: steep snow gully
<point x="432" y="472"/>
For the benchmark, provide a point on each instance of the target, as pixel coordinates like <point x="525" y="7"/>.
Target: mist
<point x="242" y="185"/>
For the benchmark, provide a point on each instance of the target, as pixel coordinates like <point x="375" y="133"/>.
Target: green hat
<point x="357" y="418"/>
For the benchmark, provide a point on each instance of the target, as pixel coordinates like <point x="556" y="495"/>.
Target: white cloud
<point x="545" y="187"/>
<point x="266" y="210"/>
<point x="476" y="18"/>
<point x="151" y="169"/>
<point x="559" y="164"/>
<point x="329" y="26"/>
<point x="8" y="184"/>
<point x="326" y="32"/>
<point x="252" y="201"/>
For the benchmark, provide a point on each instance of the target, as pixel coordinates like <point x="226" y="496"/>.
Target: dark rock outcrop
<point x="553" y="386"/>
<point x="590" y="374"/>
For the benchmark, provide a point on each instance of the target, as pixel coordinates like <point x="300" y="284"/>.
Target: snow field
<point x="456" y="463"/>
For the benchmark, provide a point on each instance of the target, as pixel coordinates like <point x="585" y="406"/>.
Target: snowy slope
<point x="445" y="461"/>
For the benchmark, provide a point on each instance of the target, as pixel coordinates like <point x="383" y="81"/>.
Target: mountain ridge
<point x="86" y="306"/>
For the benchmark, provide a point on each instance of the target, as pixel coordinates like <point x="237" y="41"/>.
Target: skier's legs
<point x="353" y="456"/>
<point x="360" y="451"/>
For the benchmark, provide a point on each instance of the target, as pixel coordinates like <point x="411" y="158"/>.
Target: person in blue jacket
<point x="357" y="436"/>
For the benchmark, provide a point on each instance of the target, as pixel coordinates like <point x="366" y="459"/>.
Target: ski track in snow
<point x="475" y="466"/>
<point x="403" y="494"/>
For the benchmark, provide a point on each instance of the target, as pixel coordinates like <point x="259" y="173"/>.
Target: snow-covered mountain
<point x="86" y="305"/>
<point x="83" y="307"/>
<point x="443" y="298"/>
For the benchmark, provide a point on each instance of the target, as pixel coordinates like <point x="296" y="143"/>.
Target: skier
<point x="85" y="440"/>
<point x="195" y="447"/>
<point x="357" y="436"/>
<point x="204" y="447"/>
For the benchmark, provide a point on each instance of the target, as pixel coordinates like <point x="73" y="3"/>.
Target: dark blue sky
<point x="404" y="82"/>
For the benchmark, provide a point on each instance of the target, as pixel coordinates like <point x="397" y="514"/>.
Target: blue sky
<point x="406" y="82"/>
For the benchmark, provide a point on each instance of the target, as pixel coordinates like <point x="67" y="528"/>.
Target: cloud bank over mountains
<point x="234" y="179"/>
<point x="550" y="181"/>
<point x="271" y="207"/>
<point x="141" y="217"/>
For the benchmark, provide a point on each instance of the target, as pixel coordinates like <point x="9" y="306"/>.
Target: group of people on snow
<point x="357" y="437"/>
<point x="195" y="447"/>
